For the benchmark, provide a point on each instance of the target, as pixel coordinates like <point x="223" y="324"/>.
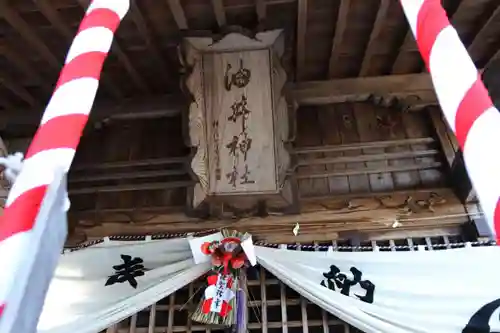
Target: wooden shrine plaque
<point x="238" y="117"/>
<point x="240" y="135"/>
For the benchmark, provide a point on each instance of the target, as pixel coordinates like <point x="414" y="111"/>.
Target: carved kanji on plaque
<point x="238" y="118"/>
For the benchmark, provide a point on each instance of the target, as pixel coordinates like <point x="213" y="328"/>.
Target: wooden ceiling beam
<point x="495" y="57"/>
<point x="415" y="87"/>
<point x="178" y="14"/>
<point x="131" y="187"/>
<point x="28" y="34"/>
<point x="139" y="21"/>
<point x="477" y="48"/>
<point x="144" y="108"/>
<point x="315" y="220"/>
<point x="18" y="90"/>
<point x="248" y="4"/>
<point x="123" y="59"/>
<point x="220" y="12"/>
<point x="54" y="18"/>
<point x="340" y="29"/>
<point x="20" y="63"/>
<point x="301" y="39"/>
<point x="411" y="86"/>
<point x="410" y="45"/>
<point x="371" y="47"/>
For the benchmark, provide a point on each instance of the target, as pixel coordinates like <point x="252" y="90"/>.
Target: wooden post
<point x="459" y="178"/>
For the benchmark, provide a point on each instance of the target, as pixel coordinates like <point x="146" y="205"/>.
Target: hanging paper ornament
<point x="219" y="305"/>
<point x="218" y="295"/>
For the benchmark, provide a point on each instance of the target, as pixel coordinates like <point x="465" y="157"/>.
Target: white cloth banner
<point x="94" y="288"/>
<point x="419" y="291"/>
<point x="387" y="292"/>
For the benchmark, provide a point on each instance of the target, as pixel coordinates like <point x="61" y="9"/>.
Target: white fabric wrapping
<point x="78" y="300"/>
<point x="418" y="291"/>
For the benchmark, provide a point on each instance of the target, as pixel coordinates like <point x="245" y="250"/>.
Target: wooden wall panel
<point x="418" y="125"/>
<point x="308" y="134"/>
<point x="350" y="135"/>
<point x="394" y="129"/>
<point x="117" y="155"/>
<point x="369" y="131"/>
<point x="329" y="125"/>
<point x="360" y="148"/>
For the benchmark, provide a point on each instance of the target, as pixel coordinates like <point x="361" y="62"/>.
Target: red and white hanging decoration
<point x="464" y="100"/>
<point x="228" y="255"/>
<point x="218" y="295"/>
<point x="52" y="150"/>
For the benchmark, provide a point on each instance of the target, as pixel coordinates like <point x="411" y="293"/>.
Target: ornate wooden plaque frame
<point x="239" y="122"/>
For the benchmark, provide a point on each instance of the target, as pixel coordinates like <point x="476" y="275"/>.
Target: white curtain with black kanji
<point x="98" y="286"/>
<point x="446" y="291"/>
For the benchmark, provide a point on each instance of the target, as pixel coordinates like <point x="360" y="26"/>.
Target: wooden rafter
<point x="314" y="221"/>
<point x="141" y="108"/>
<point x="54" y="18"/>
<point x="123" y="59"/>
<point x="220" y="12"/>
<point x="301" y="39"/>
<point x="20" y="63"/>
<point x="340" y="28"/>
<point x="377" y="28"/>
<point x="305" y="93"/>
<point x="359" y="89"/>
<point x="495" y="57"/>
<point x="477" y="47"/>
<point x="139" y="21"/>
<point x="16" y="89"/>
<point x="410" y="45"/>
<point x="178" y="14"/>
<point x="28" y="34"/>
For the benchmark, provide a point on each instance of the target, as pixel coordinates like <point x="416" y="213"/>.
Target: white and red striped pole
<point x="54" y="146"/>
<point x="464" y="100"/>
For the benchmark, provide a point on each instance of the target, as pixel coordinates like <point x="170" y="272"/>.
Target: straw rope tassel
<point x="57" y="137"/>
<point x="464" y="100"/>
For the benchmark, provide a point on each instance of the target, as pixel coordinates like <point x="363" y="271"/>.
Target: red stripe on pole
<point x="23" y="212"/>
<point x="85" y="65"/>
<point x="101" y="17"/>
<point x="67" y="129"/>
<point x="60" y="132"/>
<point x="431" y="21"/>
<point x="475" y="102"/>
